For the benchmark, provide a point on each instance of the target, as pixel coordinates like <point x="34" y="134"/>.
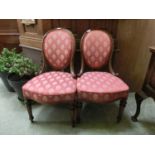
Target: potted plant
<point x="22" y="70"/>
<point x="6" y="62"/>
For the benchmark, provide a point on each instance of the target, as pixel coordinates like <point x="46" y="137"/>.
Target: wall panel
<point x="134" y="39"/>
<point x="31" y="35"/>
<point x="9" y="35"/>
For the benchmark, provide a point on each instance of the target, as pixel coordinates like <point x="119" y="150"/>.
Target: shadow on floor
<point x="103" y="116"/>
<point x="92" y="117"/>
<point x="52" y="113"/>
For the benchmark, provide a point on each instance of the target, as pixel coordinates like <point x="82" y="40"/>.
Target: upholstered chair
<point x="53" y="85"/>
<point x="98" y="86"/>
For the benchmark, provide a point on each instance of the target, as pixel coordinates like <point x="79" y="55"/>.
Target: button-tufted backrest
<point x="59" y="47"/>
<point x="96" y="47"/>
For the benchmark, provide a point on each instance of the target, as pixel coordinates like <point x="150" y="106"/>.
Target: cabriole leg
<point x="29" y="109"/>
<point x="139" y="100"/>
<point x="123" y="103"/>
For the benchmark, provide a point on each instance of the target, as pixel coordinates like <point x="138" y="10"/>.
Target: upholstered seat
<point x="101" y="87"/>
<point x="51" y="87"/>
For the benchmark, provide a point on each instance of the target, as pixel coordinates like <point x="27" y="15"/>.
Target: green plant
<point x="6" y="59"/>
<point x="23" y="66"/>
<point x="13" y="62"/>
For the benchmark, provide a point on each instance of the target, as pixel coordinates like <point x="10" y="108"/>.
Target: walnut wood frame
<point x="146" y="91"/>
<point x="45" y="67"/>
<point x="110" y="69"/>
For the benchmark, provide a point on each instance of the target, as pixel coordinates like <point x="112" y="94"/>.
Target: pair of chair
<point x="54" y="87"/>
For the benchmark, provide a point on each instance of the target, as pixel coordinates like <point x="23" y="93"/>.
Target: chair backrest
<point x="58" y="48"/>
<point x="96" y="47"/>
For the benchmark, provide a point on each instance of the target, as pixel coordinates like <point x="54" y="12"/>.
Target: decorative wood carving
<point x="28" y="21"/>
<point x="31" y="34"/>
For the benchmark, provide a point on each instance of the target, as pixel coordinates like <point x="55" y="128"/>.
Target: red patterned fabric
<point x="101" y="87"/>
<point x="58" y="48"/>
<point x="96" y="48"/>
<point x="51" y="87"/>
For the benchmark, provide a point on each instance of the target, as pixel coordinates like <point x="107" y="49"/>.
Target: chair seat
<point x="51" y="87"/>
<point x="101" y="87"/>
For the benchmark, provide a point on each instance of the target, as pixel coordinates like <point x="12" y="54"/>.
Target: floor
<point x="55" y="120"/>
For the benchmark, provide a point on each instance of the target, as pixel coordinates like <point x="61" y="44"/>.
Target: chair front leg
<point x="123" y="103"/>
<point x="29" y="110"/>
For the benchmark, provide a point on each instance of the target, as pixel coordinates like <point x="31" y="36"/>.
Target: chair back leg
<point x="78" y="109"/>
<point x="73" y="113"/>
